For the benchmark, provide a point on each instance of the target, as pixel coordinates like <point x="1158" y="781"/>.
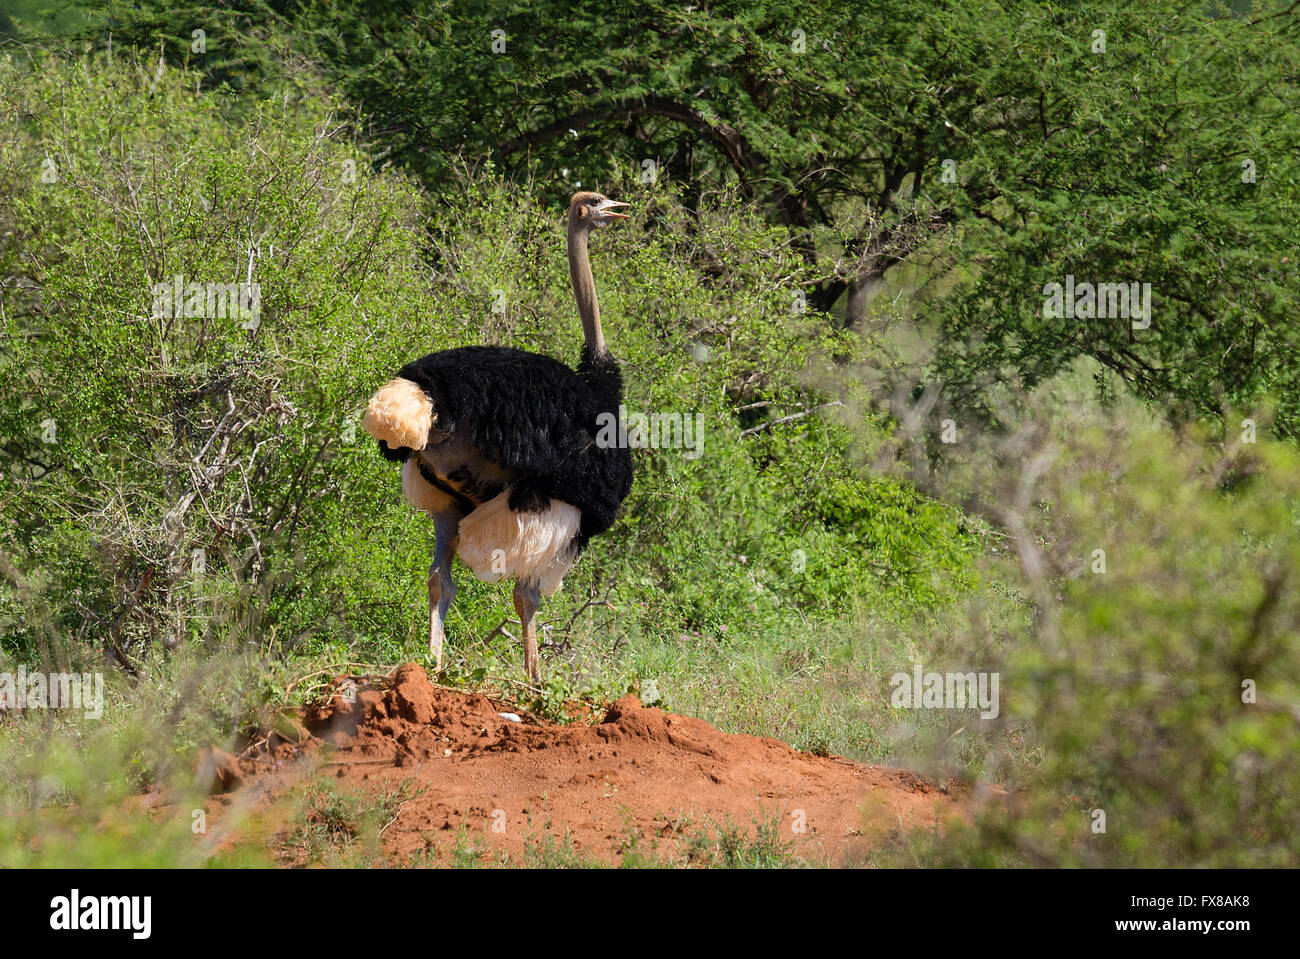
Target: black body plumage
<point x="534" y="415"/>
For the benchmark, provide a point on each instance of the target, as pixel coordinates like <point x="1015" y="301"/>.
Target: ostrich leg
<point x="442" y="590"/>
<point x="527" y="598"/>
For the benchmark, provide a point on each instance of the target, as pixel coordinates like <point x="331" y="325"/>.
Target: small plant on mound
<point x="466" y="853"/>
<point x="729" y="846"/>
<point x="338" y="828"/>
<point x="546" y="850"/>
<point x="634" y="852"/>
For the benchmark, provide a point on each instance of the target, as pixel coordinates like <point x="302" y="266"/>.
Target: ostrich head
<point x="594" y="210"/>
<point x="588" y="211"/>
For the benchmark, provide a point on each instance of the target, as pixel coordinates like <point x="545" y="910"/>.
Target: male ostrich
<point x="500" y="447"/>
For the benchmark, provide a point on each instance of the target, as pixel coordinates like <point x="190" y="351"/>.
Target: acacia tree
<point x="829" y="116"/>
<point x="833" y="117"/>
<point x="1109" y="141"/>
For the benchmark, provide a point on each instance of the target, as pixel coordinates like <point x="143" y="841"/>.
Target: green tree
<point x="1024" y="143"/>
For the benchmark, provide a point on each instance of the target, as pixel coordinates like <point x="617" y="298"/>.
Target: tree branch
<point x="725" y="138"/>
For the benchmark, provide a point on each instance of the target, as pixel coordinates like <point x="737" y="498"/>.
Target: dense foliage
<point x="1017" y="144"/>
<point x="201" y="477"/>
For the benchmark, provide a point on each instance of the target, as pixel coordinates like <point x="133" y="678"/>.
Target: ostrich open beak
<point x="606" y="209"/>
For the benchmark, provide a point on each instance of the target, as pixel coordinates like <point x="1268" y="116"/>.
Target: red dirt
<point x="659" y="775"/>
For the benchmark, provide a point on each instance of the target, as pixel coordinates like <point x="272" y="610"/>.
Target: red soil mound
<point x="641" y="771"/>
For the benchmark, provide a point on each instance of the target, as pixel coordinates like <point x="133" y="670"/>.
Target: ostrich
<point x="501" y="448"/>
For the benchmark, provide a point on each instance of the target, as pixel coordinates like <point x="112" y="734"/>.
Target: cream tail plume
<point x="400" y="414"/>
